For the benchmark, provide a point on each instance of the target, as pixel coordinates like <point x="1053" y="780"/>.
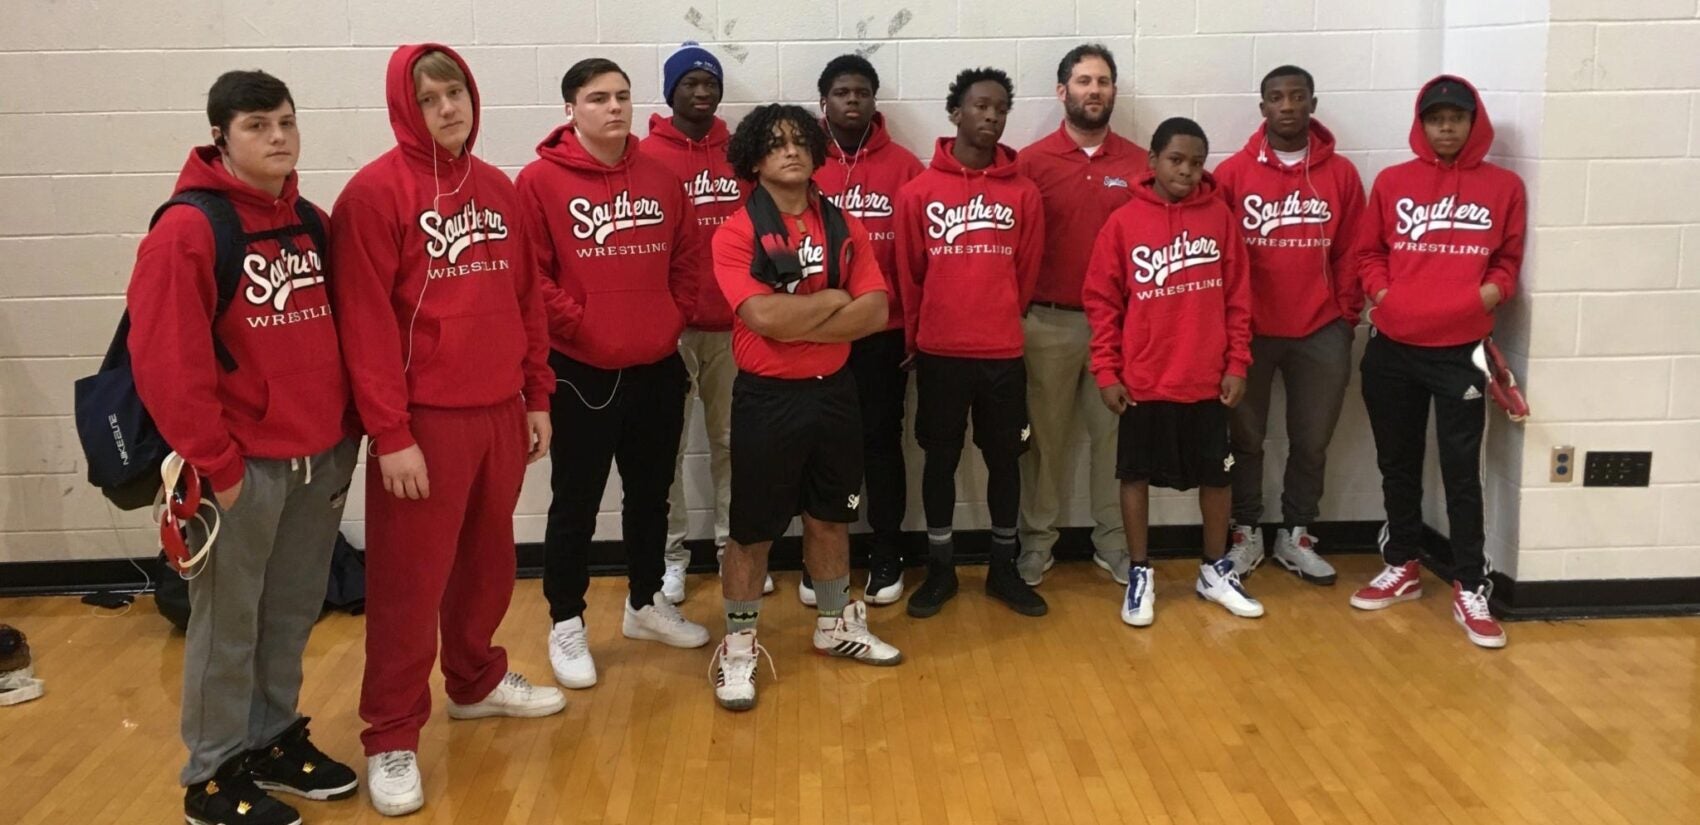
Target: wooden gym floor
<point x="1315" y="713"/>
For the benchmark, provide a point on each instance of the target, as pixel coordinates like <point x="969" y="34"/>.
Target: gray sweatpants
<point x="254" y="603"/>
<point x="1315" y="371"/>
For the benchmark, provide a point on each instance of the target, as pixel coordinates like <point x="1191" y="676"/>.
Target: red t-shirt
<point x="734" y="250"/>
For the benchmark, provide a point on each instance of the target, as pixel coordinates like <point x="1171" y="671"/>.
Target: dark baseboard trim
<point x="1582" y="599"/>
<point x="972" y="547"/>
<point x="1512" y="600"/>
<point x="608" y="557"/>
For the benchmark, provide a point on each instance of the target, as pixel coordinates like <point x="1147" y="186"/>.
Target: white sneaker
<point x="1220" y="584"/>
<point x="805" y="591"/>
<point x="848" y="636"/>
<point x="569" y="655"/>
<point x="1245" y="548"/>
<point x="733" y="670"/>
<point x="513" y="696"/>
<point x="662" y="622"/>
<point x="1296" y="551"/>
<point x="392" y="779"/>
<point x="673" y="583"/>
<point x="1139" y="606"/>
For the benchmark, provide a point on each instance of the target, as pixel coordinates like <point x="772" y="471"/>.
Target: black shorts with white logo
<point x="992" y="391"/>
<point x="796" y="448"/>
<point x="1175" y="445"/>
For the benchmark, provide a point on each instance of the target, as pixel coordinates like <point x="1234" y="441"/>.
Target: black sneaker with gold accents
<point x="232" y="798"/>
<point x="292" y="764"/>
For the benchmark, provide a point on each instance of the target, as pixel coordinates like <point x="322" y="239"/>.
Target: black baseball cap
<point x="1447" y="93"/>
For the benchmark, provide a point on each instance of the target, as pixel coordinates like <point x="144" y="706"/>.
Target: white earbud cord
<point x="436" y="202"/>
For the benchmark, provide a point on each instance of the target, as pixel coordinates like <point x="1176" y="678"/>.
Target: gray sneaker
<point x="1245" y="548"/>
<point x="1296" y="551"/>
<point x="1115" y="563"/>
<point x="1033" y="565"/>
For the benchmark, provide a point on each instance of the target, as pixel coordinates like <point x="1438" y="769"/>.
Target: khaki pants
<point x="1061" y="392"/>
<point x="708" y="359"/>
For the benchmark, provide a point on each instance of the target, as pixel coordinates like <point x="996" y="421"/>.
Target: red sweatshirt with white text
<point x="436" y="291"/>
<point x="865" y="185"/>
<point x="1168" y="296"/>
<point x="1434" y="233"/>
<point x="1299" y="223"/>
<point x="618" y="250"/>
<point x="969" y="243"/>
<point x="715" y="193"/>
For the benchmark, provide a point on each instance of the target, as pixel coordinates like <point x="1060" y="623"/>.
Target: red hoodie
<point x="969" y="242"/>
<point x="1299" y="224"/>
<point x="713" y="190"/>
<point x="288" y="394"/>
<point x="436" y="293"/>
<point x="1080" y="192"/>
<point x="1434" y="233"/>
<point x="1168" y="295"/>
<point x="865" y="185"/>
<point x="618" y="250"/>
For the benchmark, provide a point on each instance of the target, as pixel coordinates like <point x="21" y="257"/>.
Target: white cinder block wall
<point x="105" y="101"/>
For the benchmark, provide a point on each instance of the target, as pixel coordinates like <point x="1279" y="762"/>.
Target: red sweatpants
<point x="441" y="563"/>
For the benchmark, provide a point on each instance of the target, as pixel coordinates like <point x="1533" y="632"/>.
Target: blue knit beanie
<point x="690" y="56"/>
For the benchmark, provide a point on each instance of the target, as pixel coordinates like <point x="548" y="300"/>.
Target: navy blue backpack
<point x="122" y="446"/>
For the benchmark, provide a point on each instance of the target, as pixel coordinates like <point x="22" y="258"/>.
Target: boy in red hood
<point x="616" y="244"/>
<point x="692" y="144"/>
<point x="446" y="344"/>
<point x="802" y="282"/>
<point x="863" y="171"/>
<point x="1298" y="204"/>
<point x="969" y="238"/>
<point x="1085" y="172"/>
<point x="1169" y="300"/>
<point x="266" y="431"/>
<point x="1442" y="247"/>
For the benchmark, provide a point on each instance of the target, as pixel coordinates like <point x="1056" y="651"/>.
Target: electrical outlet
<point x="1563" y="470"/>
<point x="1618" y="470"/>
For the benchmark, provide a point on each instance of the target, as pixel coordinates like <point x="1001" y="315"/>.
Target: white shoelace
<point x="572" y="645"/>
<point x="1475" y="604"/>
<point x="735" y="666"/>
<point x="395" y="764"/>
<point x="1389" y="576"/>
<point x="670" y="614"/>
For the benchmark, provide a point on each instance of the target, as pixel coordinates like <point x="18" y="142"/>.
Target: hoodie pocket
<point x="467" y="360"/>
<point x="1433" y="313"/>
<point x="970" y="313"/>
<point x="303" y="410"/>
<point x="627" y="327"/>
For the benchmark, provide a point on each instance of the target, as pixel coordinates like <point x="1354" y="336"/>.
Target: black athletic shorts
<point x="993" y="391"/>
<point x="796" y="448"/>
<point x="1174" y="445"/>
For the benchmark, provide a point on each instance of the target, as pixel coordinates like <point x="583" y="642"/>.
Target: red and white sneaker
<point x="1397" y="583"/>
<point x="1470" y="609"/>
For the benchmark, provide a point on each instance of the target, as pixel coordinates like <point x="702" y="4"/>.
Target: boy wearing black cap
<point x="1443" y="244"/>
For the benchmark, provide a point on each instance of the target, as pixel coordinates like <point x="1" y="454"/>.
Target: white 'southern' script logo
<point x="1185" y="251"/>
<point x="1447" y="213"/>
<point x="447" y="236"/>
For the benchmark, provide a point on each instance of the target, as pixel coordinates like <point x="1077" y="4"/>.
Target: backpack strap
<point x="230" y="243"/>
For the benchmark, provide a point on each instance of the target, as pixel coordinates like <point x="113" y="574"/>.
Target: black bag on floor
<point x="346" y="590"/>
